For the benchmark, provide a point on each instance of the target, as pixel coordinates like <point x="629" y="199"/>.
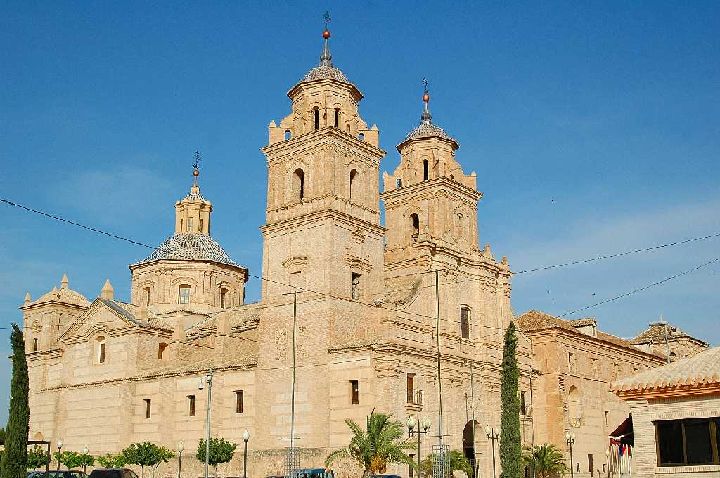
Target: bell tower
<point x="322" y="229"/>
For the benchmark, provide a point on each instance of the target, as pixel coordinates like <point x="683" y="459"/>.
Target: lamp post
<point x="246" y="437"/>
<point x="85" y="452"/>
<point x="425" y="425"/>
<point x="180" y="449"/>
<point x="570" y="440"/>
<point x="207" y="380"/>
<point x="493" y="437"/>
<point x="59" y="447"/>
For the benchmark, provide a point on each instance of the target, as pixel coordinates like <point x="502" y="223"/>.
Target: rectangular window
<point x="354" y="392"/>
<point x="200" y="227"/>
<point x="190" y="224"/>
<point x="35" y="345"/>
<point x="523" y="405"/>
<point x="355" y="286"/>
<point x="590" y="464"/>
<point x="606" y="417"/>
<point x="465" y="322"/>
<point x="101" y="353"/>
<point x="411" y="470"/>
<point x="191" y="405"/>
<point x="184" y="294"/>
<point x="147" y="295"/>
<point x="692" y="441"/>
<point x="410" y="387"/>
<point x="223" y="298"/>
<point x="571" y="362"/>
<point x="239" y="405"/>
<point x="147" y="407"/>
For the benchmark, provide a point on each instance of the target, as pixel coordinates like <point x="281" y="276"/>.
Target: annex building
<point x="353" y="302"/>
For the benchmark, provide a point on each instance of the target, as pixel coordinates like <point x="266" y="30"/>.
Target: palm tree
<point x="545" y="459"/>
<point x="377" y="446"/>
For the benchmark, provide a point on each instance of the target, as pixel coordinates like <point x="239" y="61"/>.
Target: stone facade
<point x="365" y="304"/>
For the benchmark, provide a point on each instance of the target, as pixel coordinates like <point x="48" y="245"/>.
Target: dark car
<point x="57" y="474"/>
<point x="113" y="473"/>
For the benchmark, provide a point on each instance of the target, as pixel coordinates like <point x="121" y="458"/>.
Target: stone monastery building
<point x="365" y="297"/>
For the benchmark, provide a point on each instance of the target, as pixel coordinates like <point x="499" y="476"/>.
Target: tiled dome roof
<point x="323" y="72"/>
<point x="190" y="247"/>
<point x="428" y="130"/>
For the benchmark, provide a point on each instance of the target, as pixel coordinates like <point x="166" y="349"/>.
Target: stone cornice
<point x="41" y="355"/>
<point x="321" y="137"/>
<point x="399" y="194"/>
<point x="316" y="216"/>
<point x="158" y="375"/>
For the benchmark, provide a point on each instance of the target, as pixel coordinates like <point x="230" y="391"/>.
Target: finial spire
<point x="64" y="282"/>
<point x="326" y="57"/>
<point x="426" y="117"/>
<point x="196" y="167"/>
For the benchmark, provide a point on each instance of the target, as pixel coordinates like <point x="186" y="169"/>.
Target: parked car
<point x="57" y="474"/>
<point x="315" y="473"/>
<point x="113" y="473"/>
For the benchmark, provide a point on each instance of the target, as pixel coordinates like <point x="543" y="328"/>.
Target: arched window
<point x="287" y="134"/>
<point x="184" y="294"/>
<point x="347" y="128"/>
<point x="426" y="170"/>
<point x="361" y="136"/>
<point x="35" y="345"/>
<point x="182" y="224"/>
<point x="100" y="349"/>
<point x="316" y="118"/>
<point x="574" y="406"/>
<point x="190" y="225"/>
<point x="299" y="180"/>
<point x="224" y="298"/>
<point x="353" y="175"/>
<point x="161" y="350"/>
<point x="465" y="322"/>
<point x="398" y="183"/>
<point x="415" y="223"/>
<point x="337" y="117"/>
<point x="146" y="291"/>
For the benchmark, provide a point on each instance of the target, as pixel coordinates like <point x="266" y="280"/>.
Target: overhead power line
<point x="640" y="289"/>
<point x="607" y="256"/>
<point x="619" y="254"/>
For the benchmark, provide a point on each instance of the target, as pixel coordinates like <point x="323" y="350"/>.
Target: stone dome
<point x="189" y="247"/>
<point x="427" y="129"/>
<point x="325" y="72"/>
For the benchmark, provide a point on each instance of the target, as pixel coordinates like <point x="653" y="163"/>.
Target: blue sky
<point x="593" y="128"/>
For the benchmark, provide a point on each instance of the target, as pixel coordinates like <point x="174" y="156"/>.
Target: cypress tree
<point x="510" y="446"/>
<point x="14" y="460"/>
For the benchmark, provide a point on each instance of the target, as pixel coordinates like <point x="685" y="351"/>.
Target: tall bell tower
<point x="322" y="229"/>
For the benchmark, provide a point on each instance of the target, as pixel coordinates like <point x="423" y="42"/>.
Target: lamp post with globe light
<point x="493" y="437"/>
<point x="423" y="427"/>
<point x="570" y="440"/>
<point x="246" y="437"/>
<point x="59" y="447"/>
<point x="207" y="380"/>
<point x="180" y="449"/>
<point x="85" y="452"/>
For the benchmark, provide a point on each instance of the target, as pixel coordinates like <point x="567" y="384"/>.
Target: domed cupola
<point x="189" y="269"/>
<point x="426" y="128"/>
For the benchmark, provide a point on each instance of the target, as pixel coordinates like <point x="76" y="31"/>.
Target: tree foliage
<point x="221" y="451"/>
<point x="37" y="457"/>
<point x="545" y="460"/>
<point x="112" y="461"/>
<point x="381" y="443"/>
<point x="146" y="454"/>
<point x="73" y="459"/>
<point x="457" y="462"/>
<point x="14" y="458"/>
<point x="510" y="447"/>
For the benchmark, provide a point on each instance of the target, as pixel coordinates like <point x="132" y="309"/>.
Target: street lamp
<point x="180" y="449"/>
<point x="85" y="452"/>
<point x="207" y="380"/>
<point x="570" y="440"/>
<point x="59" y="447"/>
<point x="425" y="425"/>
<point x="246" y="437"/>
<point x="493" y="437"/>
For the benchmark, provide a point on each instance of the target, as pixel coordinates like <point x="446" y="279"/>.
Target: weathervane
<point x="196" y="165"/>
<point x="326" y="57"/>
<point x="326" y="17"/>
<point x="426" y="116"/>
